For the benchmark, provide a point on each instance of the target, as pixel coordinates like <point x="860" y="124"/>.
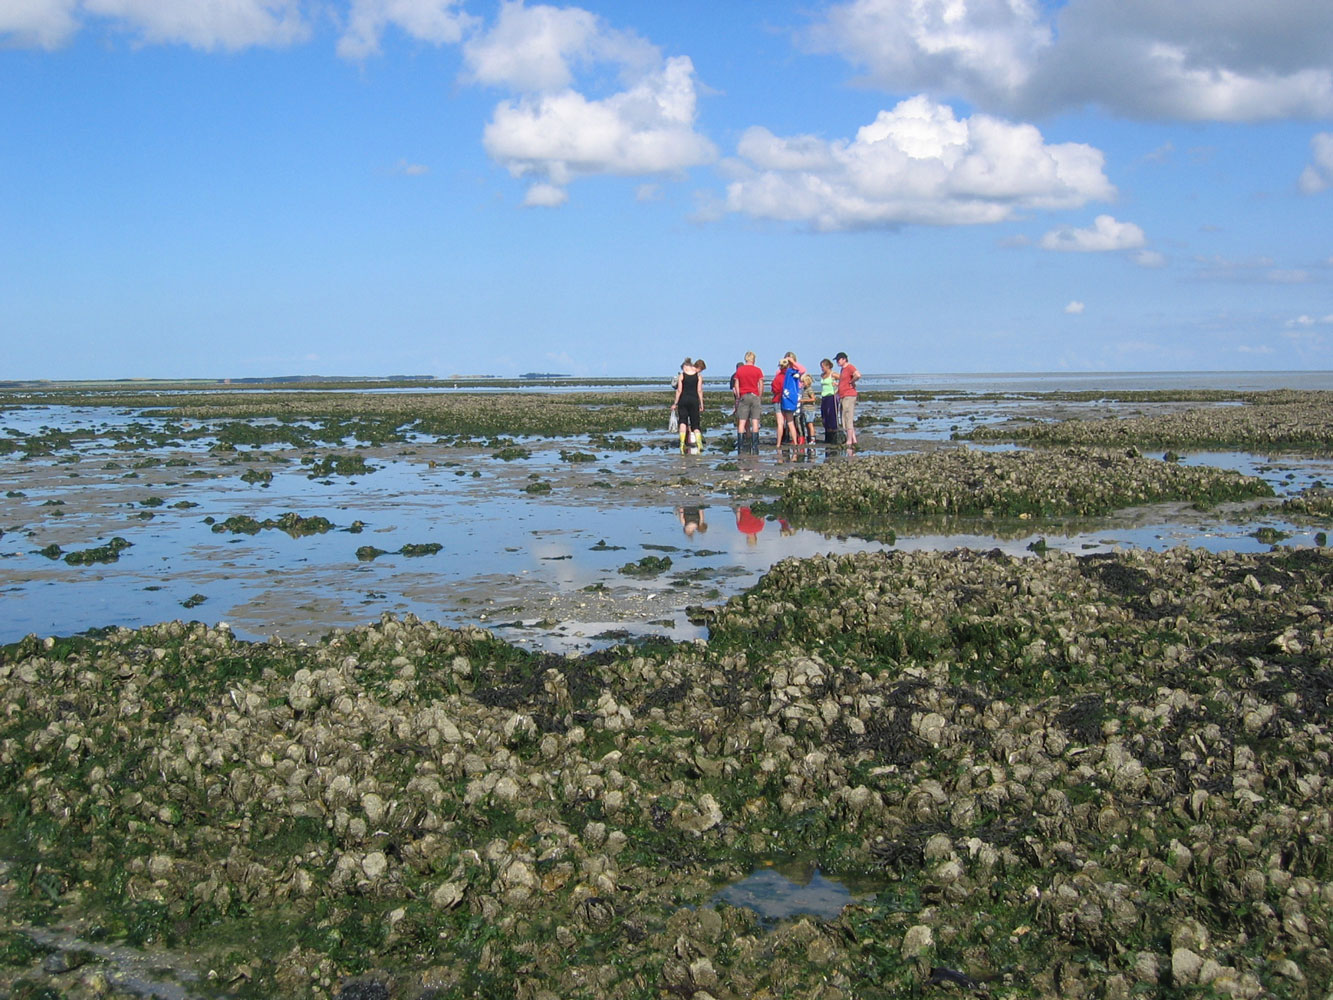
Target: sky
<point x="242" y="188"/>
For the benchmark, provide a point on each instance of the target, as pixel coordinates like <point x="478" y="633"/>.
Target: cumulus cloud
<point x="916" y="164"/>
<point x="441" y="22"/>
<point x="1149" y="259"/>
<point x="977" y="48"/>
<point x="207" y="24"/>
<point x="1106" y="234"/>
<point x="553" y="131"/>
<point x="540" y="48"/>
<point x="647" y="129"/>
<point x="1075" y="308"/>
<point x="1194" y="60"/>
<point x="1318" y="176"/>
<point x="44" y="24"/>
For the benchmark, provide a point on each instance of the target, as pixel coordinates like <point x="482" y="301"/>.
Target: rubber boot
<point x="683" y="432"/>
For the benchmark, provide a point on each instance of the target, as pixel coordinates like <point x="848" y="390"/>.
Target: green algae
<point x="647" y="566"/>
<point x="294" y="524"/>
<point x="107" y="553"/>
<point x="339" y="465"/>
<point x="421" y="549"/>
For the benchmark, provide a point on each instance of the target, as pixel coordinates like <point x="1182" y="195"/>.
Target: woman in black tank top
<point x="689" y="403"/>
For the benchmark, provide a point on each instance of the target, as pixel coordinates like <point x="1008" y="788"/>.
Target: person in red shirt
<point x="848" y="376"/>
<point x="748" y="380"/>
<point x="749" y="525"/>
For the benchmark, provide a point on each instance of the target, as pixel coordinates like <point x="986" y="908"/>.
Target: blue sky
<point x="214" y="188"/>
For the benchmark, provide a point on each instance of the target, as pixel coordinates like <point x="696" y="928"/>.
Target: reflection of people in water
<point x="749" y="525"/>
<point x="691" y="520"/>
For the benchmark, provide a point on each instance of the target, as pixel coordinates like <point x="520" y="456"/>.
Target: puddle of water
<point x="545" y="572"/>
<point x="789" y="889"/>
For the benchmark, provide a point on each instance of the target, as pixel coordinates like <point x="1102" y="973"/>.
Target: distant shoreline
<point x="966" y="382"/>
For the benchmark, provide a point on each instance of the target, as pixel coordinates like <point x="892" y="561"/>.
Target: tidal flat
<point x="1062" y="713"/>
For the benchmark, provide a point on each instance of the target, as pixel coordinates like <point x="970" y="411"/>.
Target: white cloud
<point x="543" y="195"/>
<point x="441" y="22"/>
<point x="1106" y="234"/>
<point x="554" y="130"/>
<point x="230" y="24"/>
<point x="208" y="24"/>
<point x="1219" y="60"/>
<point x="1318" y="176"/>
<point x="965" y="47"/>
<point x="1149" y="259"/>
<point x="537" y="49"/>
<point x="646" y="129"/>
<point x="44" y="24"/>
<point x="1075" y="308"/>
<point x="916" y="164"/>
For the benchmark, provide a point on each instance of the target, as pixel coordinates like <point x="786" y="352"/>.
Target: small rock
<point x="375" y="864"/>
<point x="62" y="961"/>
<point x="447" y="896"/>
<point x="702" y="973"/>
<point x="918" y="942"/>
<point x="1185" y="966"/>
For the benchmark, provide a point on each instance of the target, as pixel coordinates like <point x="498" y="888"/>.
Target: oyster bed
<point x="1080" y="776"/>
<point x="1277" y="420"/>
<point x="1080" y="481"/>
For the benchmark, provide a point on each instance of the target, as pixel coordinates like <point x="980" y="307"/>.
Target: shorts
<point x="847" y="410"/>
<point x="747" y="407"/>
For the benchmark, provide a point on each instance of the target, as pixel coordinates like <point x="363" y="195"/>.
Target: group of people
<point x="794" y="394"/>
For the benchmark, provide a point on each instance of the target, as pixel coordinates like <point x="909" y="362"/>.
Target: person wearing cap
<point x="848" y="376"/>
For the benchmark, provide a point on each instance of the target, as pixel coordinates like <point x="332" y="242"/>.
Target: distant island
<point x="532" y="375"/>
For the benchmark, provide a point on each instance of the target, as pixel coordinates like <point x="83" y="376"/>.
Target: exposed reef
<point x="1100" y="776"/>
<point x="1078" y="481"/>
